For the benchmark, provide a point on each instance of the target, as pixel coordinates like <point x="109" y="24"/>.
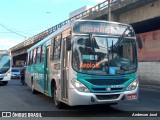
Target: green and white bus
<point x="85" y="62"/>
<point x="5" y="66"/>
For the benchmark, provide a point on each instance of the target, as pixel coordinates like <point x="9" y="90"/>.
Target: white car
<point x="16" y="73"/>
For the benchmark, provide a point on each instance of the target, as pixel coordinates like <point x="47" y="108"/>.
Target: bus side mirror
<point x="139" y="41"/>
<point x="68" y="43"/>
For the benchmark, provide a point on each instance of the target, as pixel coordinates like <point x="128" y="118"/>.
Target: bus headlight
<point x="79" y="86"/>
<point x="133" y="85"/>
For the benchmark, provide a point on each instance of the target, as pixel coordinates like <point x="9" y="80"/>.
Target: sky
<point x="22" y="19"/>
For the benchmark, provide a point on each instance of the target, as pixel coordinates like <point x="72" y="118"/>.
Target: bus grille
<point x="107" y="97"/>
<point x="106" y="81"/>
<point x="104" y="89"/>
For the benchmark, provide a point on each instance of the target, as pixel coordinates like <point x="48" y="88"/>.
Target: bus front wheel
<point x="57" y="103"/>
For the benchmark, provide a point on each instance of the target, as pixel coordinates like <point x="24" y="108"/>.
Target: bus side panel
<point x="28" y="76"/>
<point x="35" y="73"/>
<point x="39" y="77"/>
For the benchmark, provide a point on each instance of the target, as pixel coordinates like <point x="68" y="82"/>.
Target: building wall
<point x="78" y="11"/>
<point x="151" y="47"/>
<point x="145" y="12"/>
<point x="149" y="58"/>
<point x="149" y="73"/>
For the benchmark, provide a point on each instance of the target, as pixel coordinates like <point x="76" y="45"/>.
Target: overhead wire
<point x="17" y="32"/>
<point x="12" y="31"/>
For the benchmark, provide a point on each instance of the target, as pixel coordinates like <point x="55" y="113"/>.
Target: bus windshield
<point x="104" y="55"/>
<point x="4" y="63"/>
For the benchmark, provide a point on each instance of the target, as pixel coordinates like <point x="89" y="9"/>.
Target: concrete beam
<point x="117" y="8"/>
<point x="126" y="5"/>
<point x="142" y="13"/>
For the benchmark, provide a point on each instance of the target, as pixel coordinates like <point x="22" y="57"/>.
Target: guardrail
<point x="47" y="32"/>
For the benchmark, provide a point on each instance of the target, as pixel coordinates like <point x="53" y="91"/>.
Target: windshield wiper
<point x="92" y="46"/>
<point x="92" y="43"/>
<point x="122" y="36"/>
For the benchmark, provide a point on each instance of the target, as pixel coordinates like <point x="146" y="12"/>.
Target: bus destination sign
<point x="95" y="29"/>
<point x="98" y="28"/>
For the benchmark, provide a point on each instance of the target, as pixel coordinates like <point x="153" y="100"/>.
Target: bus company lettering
<point x="89" y="65"/>
<point x="95" y="29"/>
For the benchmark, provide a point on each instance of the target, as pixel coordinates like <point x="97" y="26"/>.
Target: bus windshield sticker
<point x="112" y="70"/>
<point x="90" y="57"/>
<point x="89" y="65"/>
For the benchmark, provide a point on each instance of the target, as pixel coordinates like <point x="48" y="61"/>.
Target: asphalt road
<point x="15" y="97"/>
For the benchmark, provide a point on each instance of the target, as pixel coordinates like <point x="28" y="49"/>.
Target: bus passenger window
<point x="57" y="49"/>
<point x="34" y="56"/>
<point x="31" y="58"/>
<point x="38" y="55"/>
<point x="28" y="59"/>
<point x="42" y="53"/>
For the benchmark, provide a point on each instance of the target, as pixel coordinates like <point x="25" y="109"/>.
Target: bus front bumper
<point x="5" y="77"/>
<point x="81" y="98"/>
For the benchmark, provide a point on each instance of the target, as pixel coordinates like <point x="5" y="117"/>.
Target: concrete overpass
<point x="134" y="12"/>
<point x="125" y="11"/>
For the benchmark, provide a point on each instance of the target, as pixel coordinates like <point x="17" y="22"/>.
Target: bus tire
<point x="4" y="83"/>
<point x="33" y="90"/>
<point x="57" y="103"/>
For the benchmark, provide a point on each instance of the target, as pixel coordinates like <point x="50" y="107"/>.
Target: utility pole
<point x="109" y="10"/>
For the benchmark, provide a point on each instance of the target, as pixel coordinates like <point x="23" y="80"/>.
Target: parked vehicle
<point x="5" y="67"/>
<point x="15" y="73"/>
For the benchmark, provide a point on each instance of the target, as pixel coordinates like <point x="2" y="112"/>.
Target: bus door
<point x="64" y="84"/>
<point x="47" y="70"/>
